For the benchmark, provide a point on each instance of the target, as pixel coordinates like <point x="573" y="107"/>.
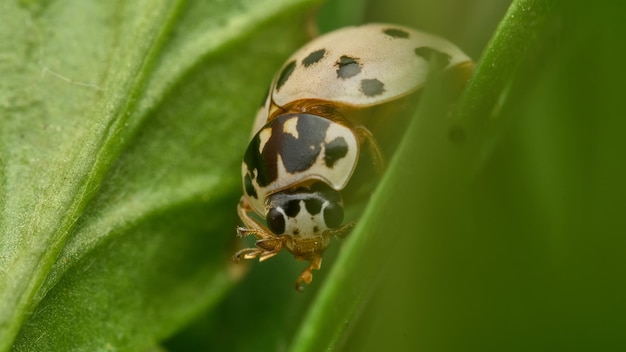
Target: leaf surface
<point x="121" y="134"/>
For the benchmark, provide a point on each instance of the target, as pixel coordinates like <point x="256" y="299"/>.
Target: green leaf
<point x="122" y="125"/>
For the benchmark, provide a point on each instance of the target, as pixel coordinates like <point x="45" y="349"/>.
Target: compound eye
<point x="333" y="215"/>
<point x="275" y="221"/>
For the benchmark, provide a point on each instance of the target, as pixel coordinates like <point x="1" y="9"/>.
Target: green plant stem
<point x="507" y="49"/>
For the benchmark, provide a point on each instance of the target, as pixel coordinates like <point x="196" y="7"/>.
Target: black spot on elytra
<point x="316" y="229"/>
<point x="297" y="154"/>
<point x="347" y="67"/>
<point x="296" y="232"/>
<point x="442" y="60"/>
<point x="314" y="57"/>
<point x="250" y="191"/>
<point x="335" y="150"/>
<point x="396" y="33"/>
<point x="372" y="87"/>
<point x="284" y="75"/>
<point x="313" y="206"/>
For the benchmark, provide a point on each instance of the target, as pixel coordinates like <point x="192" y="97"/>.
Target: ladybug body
<point x="307" y="137"/>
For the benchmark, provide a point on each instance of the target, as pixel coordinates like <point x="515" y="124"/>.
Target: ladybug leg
<point x="377" y="157"/>
<point x="307" y="274"/>
<point x="266" y="248"/>
<point x="343" y="231"/>
<point x="254" y="227"/>
<point x="315" y="263"/>
<point x="247" y="253"/>
<point x="267" y="244"/>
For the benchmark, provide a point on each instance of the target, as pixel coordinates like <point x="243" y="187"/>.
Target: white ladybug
<point x="307" y="137"/>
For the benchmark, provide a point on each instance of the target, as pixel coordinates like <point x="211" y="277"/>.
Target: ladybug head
<point x="304" y="211"/>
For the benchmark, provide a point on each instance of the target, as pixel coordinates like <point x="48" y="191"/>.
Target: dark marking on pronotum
<point x="335" y="150"/>
<point x="314" y="57"/>
<point x="441" y="59"/>
<point x="300" y="153"/>
<point x="396" y="33"/>
<point x="297" y="154"/>
<point x="254" y="161"/>
<point x="250" y="191"/>
<point x="284" y="75"/>
<point x="372" y="87"/>
<point x="347" y="67"/>
<point x="316" y="229"/>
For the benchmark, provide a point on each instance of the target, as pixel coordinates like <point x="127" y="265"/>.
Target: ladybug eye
<point x="333" y="215"/>
<point x="275" y="221"/>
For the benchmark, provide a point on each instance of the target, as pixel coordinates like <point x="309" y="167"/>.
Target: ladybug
<point x="308" y="135"/>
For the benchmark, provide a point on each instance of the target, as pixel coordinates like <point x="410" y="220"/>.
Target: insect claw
<point x="246" y="253"/>
<point x="243" y="232"/>
<point x="307" y="273"/>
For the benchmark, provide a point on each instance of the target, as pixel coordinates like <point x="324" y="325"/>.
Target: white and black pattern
<point x="305" y="212"/>
<point x="294" y="148"/>
<point x="363" y="66"/>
